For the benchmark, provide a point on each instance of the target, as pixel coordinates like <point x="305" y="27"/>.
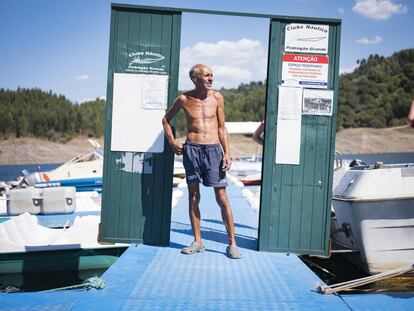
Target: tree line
<point x="35" y="113"/>
<point x="376" y="94"/>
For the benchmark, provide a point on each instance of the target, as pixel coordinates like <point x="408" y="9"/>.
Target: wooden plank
<point x="284" y="215"/>
<point x="173" y="24"/>
<point x="306" y="217"/>
<point x="158" y="184"/>
<point x="268" y="172"/>
<point x="115" y="169"/>
<point x="135" y="222"/>
<point x="103" y="227"/>
<point x="320" y="176"/>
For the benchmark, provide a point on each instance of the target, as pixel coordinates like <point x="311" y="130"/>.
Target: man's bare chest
<point x="196" y="109"/>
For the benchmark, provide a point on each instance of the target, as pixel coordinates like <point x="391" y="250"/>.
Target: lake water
<point x="11" y="172"/>
<point x="386" y="158"/>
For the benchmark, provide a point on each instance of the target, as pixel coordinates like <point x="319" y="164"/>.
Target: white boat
<point x="374" y="208"/>
<point x="27" y="247"/>
<point x="83" y="172"/>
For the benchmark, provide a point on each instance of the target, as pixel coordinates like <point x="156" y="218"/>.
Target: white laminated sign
<point x="305" y="70"/>
<point x="307" y="38"/>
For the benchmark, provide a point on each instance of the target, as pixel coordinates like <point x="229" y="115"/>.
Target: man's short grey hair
<point x="194" y="71"/>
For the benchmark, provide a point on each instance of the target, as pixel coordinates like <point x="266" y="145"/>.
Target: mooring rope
<point x="93" y="282"/>
<point x="330" y="289"/>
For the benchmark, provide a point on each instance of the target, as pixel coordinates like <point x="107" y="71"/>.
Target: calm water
<point x="11" y="172"/>
<point x="387" y="158"/>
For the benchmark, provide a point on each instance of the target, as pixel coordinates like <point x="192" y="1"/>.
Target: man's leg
<point x="194" y="211"/>
<point x="226" y="213"/>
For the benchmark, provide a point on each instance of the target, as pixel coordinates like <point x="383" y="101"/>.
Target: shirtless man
<point x="206" y="152"/>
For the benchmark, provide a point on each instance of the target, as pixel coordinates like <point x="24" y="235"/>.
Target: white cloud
<point x="365" y="40"/>
<point x="378" y="9"/>
<point x="341" y="10"/>
<point x="83" y="77"/>
<point x="232" y="62"/>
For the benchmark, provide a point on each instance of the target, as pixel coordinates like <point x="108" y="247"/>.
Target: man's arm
<point x="222" y="131"/>
<point x="410" y="116"/>
<point x="178" y="103"/>
<point x="258" y="134"/>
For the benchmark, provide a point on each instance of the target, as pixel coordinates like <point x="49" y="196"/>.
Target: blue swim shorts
<point x="204" y="163"/>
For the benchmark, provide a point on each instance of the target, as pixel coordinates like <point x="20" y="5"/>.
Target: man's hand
<point x="177" y="148"/>
<point x="226" y="162"/>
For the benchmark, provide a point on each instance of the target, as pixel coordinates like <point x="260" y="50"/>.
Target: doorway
<point x="295" y="199"/>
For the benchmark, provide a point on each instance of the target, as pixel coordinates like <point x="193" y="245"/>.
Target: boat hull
<point x="382" y="231"/>
<point x="59" y="260"/>
<point x="374" y="208"/>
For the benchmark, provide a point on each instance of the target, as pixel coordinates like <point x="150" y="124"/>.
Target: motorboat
<point x="83" y="172"/>
<point x="27" y="247"/>
<point x="252" y="179"/>
<point x="374" y="211"/>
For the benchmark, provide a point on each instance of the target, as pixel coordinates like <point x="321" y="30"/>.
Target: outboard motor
<point x="357" y="162"/>
<point x="3" y="188"/>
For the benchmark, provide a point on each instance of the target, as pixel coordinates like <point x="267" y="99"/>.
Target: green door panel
<point x="136" y="198"/>
<point x="296" y="199"/>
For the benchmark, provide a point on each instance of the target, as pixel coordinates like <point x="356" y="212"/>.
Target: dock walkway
<point x="161" y="278"/>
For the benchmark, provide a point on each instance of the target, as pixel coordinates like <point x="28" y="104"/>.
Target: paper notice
<point x="154" y="92"/>
<point x="288" y="141"/>
<point x="290" y="103"/>
<point x="317" y="102"/>
<point x="135" y="129"/>
<point x="289" y="120"/>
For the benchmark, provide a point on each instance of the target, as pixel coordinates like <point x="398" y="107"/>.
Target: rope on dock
<point x="94" y="282"/>
<point x="330" y="289"/>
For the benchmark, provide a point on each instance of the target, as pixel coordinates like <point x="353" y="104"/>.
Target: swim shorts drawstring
<point x="204" y="150"/>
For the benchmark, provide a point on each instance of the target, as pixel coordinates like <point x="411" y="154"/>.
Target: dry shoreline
<point x="349" y="141"/>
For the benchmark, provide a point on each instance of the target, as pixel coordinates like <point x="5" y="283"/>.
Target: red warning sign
<point x="304" y="70"/>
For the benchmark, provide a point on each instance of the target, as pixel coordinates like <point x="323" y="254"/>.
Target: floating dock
<point x="161" y="278"/>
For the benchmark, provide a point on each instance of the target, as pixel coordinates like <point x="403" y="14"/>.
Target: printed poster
<point x="317" y="102"/>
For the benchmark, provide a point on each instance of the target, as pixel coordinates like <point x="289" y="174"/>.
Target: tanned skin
<point x="410" y="116"/>
<point x="204" y="110"/>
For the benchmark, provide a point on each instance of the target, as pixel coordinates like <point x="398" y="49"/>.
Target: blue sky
<point x="62" y="45"/>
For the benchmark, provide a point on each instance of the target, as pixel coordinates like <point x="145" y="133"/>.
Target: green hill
<point x="376" y="94"/>
<point x="35" y="113"/>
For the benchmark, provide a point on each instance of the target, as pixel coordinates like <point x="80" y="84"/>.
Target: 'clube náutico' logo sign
<point x="307" y="38"/>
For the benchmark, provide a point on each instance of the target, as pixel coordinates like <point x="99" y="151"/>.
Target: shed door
<point x="296" y="199"/>
<point x="137" y="186"/>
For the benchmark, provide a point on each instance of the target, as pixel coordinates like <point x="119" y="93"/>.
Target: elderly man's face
<point x="204" y="79"/>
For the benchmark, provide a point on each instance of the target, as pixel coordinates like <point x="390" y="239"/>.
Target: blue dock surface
<point x="161" y="278"/>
